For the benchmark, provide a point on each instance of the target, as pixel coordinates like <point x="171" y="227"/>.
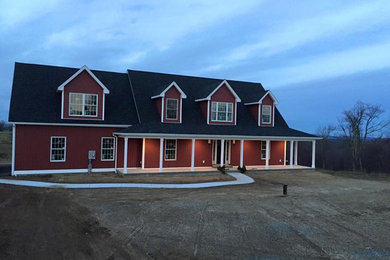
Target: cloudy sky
<point x="318" y="57"/>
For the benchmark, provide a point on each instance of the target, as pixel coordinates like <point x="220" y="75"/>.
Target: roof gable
<point x="84" y="68"/>
<point x="173" y="84"/>
<point x="224" y="82"/>
<point x="262" y="98"/>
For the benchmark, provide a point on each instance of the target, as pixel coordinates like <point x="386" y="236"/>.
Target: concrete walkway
<point x="240" y="179"/>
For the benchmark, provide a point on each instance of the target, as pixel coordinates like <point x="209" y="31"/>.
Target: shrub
<point x="222" y="169"/>
<point x="241" y="169"/>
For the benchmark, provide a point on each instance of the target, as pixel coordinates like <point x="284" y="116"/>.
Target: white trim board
<point x="62" y="171"/>
<point x="173" y="84"/>
<point x="216" y="89"/>
<point x="216" y="137"/>
<point x="84" y="68"/>
<point x="70" y="124"/>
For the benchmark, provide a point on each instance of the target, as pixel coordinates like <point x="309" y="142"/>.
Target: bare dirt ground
<point x="115" y="178"/>
<point x="323" y="217"/>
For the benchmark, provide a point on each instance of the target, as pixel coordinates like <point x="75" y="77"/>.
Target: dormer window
<point x="221" y="111"/>
<point x="266" y="114"/>
<point x="172" y="109"/>
<point x="83" y="104"/>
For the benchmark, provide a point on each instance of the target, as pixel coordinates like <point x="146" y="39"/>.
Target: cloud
<point x="13" y="13"/>
<point x="330" y="65"/>
<point x="300" y="32"/>
<point x="156" y="24"/>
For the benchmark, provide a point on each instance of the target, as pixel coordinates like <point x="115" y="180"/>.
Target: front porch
<point x="174" y="154"/>
<point x="210" y="169"/>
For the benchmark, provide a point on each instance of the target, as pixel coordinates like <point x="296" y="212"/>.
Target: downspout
<point x="13" y="149"/>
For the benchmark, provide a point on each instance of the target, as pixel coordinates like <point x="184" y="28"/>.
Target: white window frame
<point x="264" y="149"/>
<point x="165" y="150"/>
<point x="177" y="109"/>
<point x="270" y="114"/>
<point x="51" y="148"/>
<point x="226" y="112"/>
<point x="113" y="149"/>
<point x="83" y="104"/>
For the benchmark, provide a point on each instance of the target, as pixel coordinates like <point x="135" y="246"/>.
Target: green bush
<point x="222" y="169"/>
<point x="241" y="169"/>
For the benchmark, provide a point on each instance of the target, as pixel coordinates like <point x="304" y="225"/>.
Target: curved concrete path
<point x="240" y="179"/>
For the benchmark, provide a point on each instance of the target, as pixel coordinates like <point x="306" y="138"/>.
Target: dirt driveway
<point x="324" y="216"/>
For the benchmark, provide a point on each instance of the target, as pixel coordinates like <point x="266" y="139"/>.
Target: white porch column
<point x="313" y="154"/>
<point x="161" y="153"/>
<point x="296" y="153"/>
<point x="222" y="152"/>
<point x="291" y="153"/>
<point x="267" y="148"/>
<point x="143" y="154"/>
<point x="193" y="155"/>
<point x="125" y="155"/>
<point x="241" y="153"/>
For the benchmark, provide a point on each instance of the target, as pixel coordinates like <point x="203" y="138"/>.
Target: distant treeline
<point x="335" y="154"/>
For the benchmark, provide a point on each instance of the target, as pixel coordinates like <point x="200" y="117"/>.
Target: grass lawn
<point x="5" y="146"/>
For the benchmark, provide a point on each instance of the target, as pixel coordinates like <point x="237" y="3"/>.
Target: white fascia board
<point x="252" y="103"/>
<point x="173" y="84"/>
<point x="62" y="86"/>
<point x="228" y="86"/>
<point x="205" y="137"/>
<point x="202" y="99"/>
<point x="69" y="124"/>
<point x="272" y="96"/>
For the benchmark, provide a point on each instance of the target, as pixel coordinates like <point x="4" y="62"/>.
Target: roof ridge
<point x="197" y="77"/>
<point x="66" y="67"/>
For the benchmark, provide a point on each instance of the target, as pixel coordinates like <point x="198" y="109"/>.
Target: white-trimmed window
<point x="266" y="114"/>
<point x="264" y="150"/>
<point x="108" y="148"/>
<point x="57" y="149"/>
<point x="172" y="108"/>
<point x="83" y="104"/>
<point x="170" y="149"/>
<point x="221" y="111"/>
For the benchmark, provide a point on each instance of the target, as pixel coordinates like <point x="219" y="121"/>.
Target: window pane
<point x="230" y="107"/>
<point x="171" y="107"/>
<point x="213" y="116"/>
<point x="108" y="148"/>
<point x="266" y="114"/>
<point x="90" y="100"/>
<point x="213" y="106"/>
<point x="57" y="149"/>
<point x="170" y="149"/>
<point x="229" y="117"/>
<point x="221" y="107"/>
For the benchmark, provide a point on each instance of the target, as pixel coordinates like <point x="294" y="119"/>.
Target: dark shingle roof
<point x="193" y="121"/>
<point x="35" y="99"/>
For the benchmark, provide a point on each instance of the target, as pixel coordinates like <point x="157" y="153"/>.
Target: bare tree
<point x="359" y="123"/>
<point x="324" y="132"/>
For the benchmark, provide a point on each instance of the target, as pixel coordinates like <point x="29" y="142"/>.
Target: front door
<point x="216" y="154"/>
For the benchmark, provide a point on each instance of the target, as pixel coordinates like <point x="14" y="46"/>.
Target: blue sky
<point x="318" y="57"/>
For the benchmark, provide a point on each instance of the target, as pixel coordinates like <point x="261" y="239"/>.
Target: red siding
<point x="183" y="154"/>
<point x="252" y="153"/>
<point x="203" y="108"/>
<point x="134" y="154"/>
<point x="267" y="101"/>
<point x="175" y="94"/>
<point x="223" y="94"/>
<point x="235" y="154"/>
<point x="254" y="110"/>
<point x="83" y="83"/>
<point x="158" y="105"/>
<point x="203" y="152"/>
<point x="152" y="153"/>
<point x="32" y="147"/>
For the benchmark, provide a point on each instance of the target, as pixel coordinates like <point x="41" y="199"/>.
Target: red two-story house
<point x="62" y="117"/>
